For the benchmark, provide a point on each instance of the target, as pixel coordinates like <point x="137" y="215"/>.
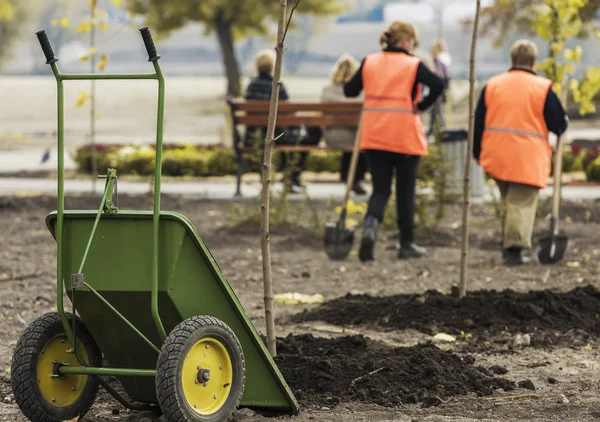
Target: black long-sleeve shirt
<point x="425" y="76"/>
<point x="260" y="88"/>
<point x="554" y="116"/>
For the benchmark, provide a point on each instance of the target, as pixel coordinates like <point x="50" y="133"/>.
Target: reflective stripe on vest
<point x="518" y="132"/>
<point x="388" y="121"/>
<point x="389" y="109"/>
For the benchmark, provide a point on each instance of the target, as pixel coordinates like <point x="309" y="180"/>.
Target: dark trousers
<point x="296" y="161"/>
<point x="382" y="165"/>
<point x="361" y="167"/>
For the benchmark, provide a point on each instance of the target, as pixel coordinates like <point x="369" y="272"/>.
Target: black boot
<point x="512" y="257"/>
<point x="358" y="189"/>
<point x="369" y="238"/>
<point x="411" y="250"/>
<point x="408" y="247"/>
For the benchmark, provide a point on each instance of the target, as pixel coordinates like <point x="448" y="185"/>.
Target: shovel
<point x="339" y="238"/>
<point x="551" y="248"/>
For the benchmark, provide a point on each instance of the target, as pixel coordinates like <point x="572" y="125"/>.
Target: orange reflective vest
<point x="388" y="120"/>
<point x="515" y="147"/>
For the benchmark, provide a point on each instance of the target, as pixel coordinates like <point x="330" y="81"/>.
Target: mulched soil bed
<point x="484" y="314"/>
<point x="326" y="372"/>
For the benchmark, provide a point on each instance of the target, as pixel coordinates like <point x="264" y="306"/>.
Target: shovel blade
<point x="338" y="241"/>
<point x="551" y="249"/>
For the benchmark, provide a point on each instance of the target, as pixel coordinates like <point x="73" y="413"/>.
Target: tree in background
<point x="505" y="17"/>
<point x="558" y="21"/>
<point x="13" y="14"/>
<point x="230" y="20"/>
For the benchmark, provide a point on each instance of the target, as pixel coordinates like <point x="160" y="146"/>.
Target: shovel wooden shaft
<point x="557" y="181"/>
<point x="352" y="170"/>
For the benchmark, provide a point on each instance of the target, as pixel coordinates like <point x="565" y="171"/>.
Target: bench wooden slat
<point x="295" y="120"/>
<point x="295" y="106"/>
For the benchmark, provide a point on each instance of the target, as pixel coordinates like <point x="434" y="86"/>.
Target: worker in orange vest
<point x="392" y="134"/>
<point x="515" y="113"/>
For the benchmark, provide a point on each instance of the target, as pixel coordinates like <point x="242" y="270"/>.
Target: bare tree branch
<point x="287" y="25"/>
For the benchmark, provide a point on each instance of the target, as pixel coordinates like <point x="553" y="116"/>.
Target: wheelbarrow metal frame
<point x="110" y="182"/>
<point x="107" y="208"/>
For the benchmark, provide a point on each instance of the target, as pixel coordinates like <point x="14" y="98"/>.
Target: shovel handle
<point x="557" y="181"/>
<point x="352" y="170"/>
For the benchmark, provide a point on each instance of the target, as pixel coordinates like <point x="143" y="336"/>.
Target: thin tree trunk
<point x="93" y="97"/>
<point x="265" y="206"/>
<point x="266" y="184"/>
<point x="467" y="185"/>
<point x="224" y="32"/>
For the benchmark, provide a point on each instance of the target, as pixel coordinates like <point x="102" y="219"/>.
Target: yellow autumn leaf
<point x="556" y="47"/>
<point x="568" y="54"/>
<point x="574" y="84"/>
<point x="102" y="26"/>
<point x="81" y="99"/>
<point x="7" y="11"/>
<point x="85" y="26"/>
<point x="116" y="2"/>
<point x="93" y="4"/>
<point x="64" y="22"/>
<point x="92" y="51"/>
<point x="84" y="59"/>
<point x="103" y="61"/>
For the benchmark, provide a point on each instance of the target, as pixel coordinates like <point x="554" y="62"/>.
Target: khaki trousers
<point x="518" y="204"/>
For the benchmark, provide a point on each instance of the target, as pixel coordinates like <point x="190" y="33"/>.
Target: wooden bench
<point x="290" y="113"/>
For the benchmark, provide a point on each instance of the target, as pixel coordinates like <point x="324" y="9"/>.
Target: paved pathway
<point x="224" y="190"/>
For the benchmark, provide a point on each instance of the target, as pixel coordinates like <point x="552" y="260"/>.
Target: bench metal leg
<point x="240" y="172"/>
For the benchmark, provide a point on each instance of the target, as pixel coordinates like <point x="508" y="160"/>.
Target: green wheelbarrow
<point x="153" y="320"/>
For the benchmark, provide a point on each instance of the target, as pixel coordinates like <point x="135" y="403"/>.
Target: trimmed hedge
<point x="205" y="161"/>
<point x="188" y="160"/>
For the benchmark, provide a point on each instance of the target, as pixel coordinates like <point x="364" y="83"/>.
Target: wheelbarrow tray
<point x="119" y="267"/>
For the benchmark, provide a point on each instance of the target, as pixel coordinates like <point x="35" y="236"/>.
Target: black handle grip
<point x="46" y="47"/>
<point x="149" y="42"/>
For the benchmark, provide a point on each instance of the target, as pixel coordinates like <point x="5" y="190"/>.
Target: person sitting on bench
<point x="260" y="88"/>
<point x="343" y="137"/>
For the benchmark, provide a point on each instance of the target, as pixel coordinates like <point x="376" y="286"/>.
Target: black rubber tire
<point x="24" y="370"/>
<point x="169" y="389"/>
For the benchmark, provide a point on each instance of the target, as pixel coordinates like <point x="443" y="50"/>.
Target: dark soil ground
<point x="484" y="314"/>
<point x="555" y="305"/>
<point x="327" y="372"/>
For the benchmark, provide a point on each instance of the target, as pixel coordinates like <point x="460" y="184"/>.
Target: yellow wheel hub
<point x="60" y="391"/>
<point x="206" y="376"/>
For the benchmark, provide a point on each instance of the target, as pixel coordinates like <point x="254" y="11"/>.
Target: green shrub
<point x="190" y="160"/>
<point x="186" y="162"/>
<point x="583" y="160"/>
<point x="324" y="161"/>
<point x="568" y="160"/>
<point x="222" y="162"/>
<point x="592" y="171"/>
